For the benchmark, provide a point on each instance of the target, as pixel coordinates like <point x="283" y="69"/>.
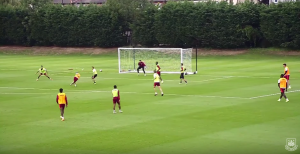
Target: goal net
<point x="169" y="59"/>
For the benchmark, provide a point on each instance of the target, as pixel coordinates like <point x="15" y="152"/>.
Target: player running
<point x="158" y="72"/>
<point x="76" y="78"/>
<point x="116" y="99"/>
<point x="142" y="66"/>
<point x="61" y="100"/>
<point x="287" y="74"/>
<point x="282" y="84"/>
<point x="182" y="69"/>
<point x="157" y="83"/>
<point x="42" y="71"/>
<point x="94" y="75"/>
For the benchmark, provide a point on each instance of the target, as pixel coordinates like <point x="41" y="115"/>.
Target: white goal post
<point x="169" y="59"/>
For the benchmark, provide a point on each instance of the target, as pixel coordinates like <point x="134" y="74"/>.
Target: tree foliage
<point x="184" y="24"/>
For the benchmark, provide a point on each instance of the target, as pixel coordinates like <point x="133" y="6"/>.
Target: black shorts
<point x="94" y="76"/>
<point x="181" y="75"/>
<point x="140" y="67"/>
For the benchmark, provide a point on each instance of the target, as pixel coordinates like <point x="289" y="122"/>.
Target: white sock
<point x="155" y="92"/>
<point x="162" y="92"/>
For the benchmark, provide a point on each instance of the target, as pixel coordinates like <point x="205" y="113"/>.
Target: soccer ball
<point x="100" y="70"/>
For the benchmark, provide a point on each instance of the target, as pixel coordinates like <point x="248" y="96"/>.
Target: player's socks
<point x="120" y="111"/>
<point x="155" y="93"/>
<point x="37" y="79"/>
<point x="287" y="100"/>
<point x="279" y="100"/>
<point x="114" y="112"/>
<point x="290" y="87"/>
<point x="60" y="117"/>
<point x="75" y="85"/>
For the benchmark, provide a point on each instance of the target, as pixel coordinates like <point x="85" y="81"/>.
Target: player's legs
<point x="288" y="82"/>
<point x="283" y="95"/>
<point x="160" y="77"/>
<point x="47" y="76"/>
<point x="138" y="70"/>
<point x="119" y="104"/>
<point x="144" y="70"/>
<point x="287" y="77"/>
<point x="161" y="91"/>
<point x="114" y="108"/>
<point x="39" y="76"/>
<point x="62" y="111"/>
<point x="94" y="78"/>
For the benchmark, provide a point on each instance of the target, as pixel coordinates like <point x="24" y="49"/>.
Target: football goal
<point x="169" y="59"/>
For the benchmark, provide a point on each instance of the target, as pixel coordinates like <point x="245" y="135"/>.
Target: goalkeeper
<point x="142" y="66"/>
<point x="182" y="69"/>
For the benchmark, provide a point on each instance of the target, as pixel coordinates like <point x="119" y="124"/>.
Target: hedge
<point x="211" y="24"/>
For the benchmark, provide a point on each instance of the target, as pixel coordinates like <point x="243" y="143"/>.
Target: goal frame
<point x="134" y="68"/>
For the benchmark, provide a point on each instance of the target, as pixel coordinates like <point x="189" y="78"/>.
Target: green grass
<point x="228" y="107"/>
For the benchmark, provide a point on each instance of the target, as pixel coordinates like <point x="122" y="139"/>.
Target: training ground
<point x="230" y="106"/>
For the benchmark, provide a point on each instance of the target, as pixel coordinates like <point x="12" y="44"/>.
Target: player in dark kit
<point x="142" y="66"/>
<point x="182" y="69"/>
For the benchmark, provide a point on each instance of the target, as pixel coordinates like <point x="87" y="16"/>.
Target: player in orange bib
<point x="287" y="74"/>
<point x="61" y="100"/>
<point x="282" y="84"/>
<point x="76" y="78"/>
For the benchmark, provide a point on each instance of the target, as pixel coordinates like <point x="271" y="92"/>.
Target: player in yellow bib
<point x="94" y="75"/>
<point x="182" y="69"/>
<point x="116" y="99"/>
<point x="287" y="75"/>
<point x="157" y="83"/>
<point x="42" y="71"/>
<point x="75" y="79"/>
<point x="158" y="71"/>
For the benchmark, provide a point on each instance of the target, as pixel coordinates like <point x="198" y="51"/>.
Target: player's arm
<point x="37" y="72"/>
<point x="286" y="86"/>
<point x="279" y="83"/>
<point x="57" y="99"/>
<point x="158" y="68"/>
<point x="66" y="101"/>
<point x="119" y="94"/>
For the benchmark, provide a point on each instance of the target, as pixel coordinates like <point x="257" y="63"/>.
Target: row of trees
<point x="213" y="25"/>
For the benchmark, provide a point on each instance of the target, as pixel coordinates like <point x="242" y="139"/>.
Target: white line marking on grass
<point x="152" y="79"/>
<point x="262" y="96"/>
<point x="125" y="92"/>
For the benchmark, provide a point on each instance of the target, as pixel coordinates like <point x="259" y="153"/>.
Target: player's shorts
<point x="140" y="67"/>
<point x="116" y="100"/>
<point x="158" y="72"/>
<point x="156" y="84"/>
<point x="62" y="106"/>
<point x="43" y="73"/>
<point x="181" y="75"/>
<point x="94" y="76"/>
<point x="282" y="90"/>
<point x="287" y="77"/>
<point x="75" y="79"/>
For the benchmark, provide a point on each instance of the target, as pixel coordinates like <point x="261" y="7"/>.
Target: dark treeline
<point x="211" y="25"/>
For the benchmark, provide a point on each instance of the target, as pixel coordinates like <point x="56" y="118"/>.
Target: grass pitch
<point x="230" y="106"/>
